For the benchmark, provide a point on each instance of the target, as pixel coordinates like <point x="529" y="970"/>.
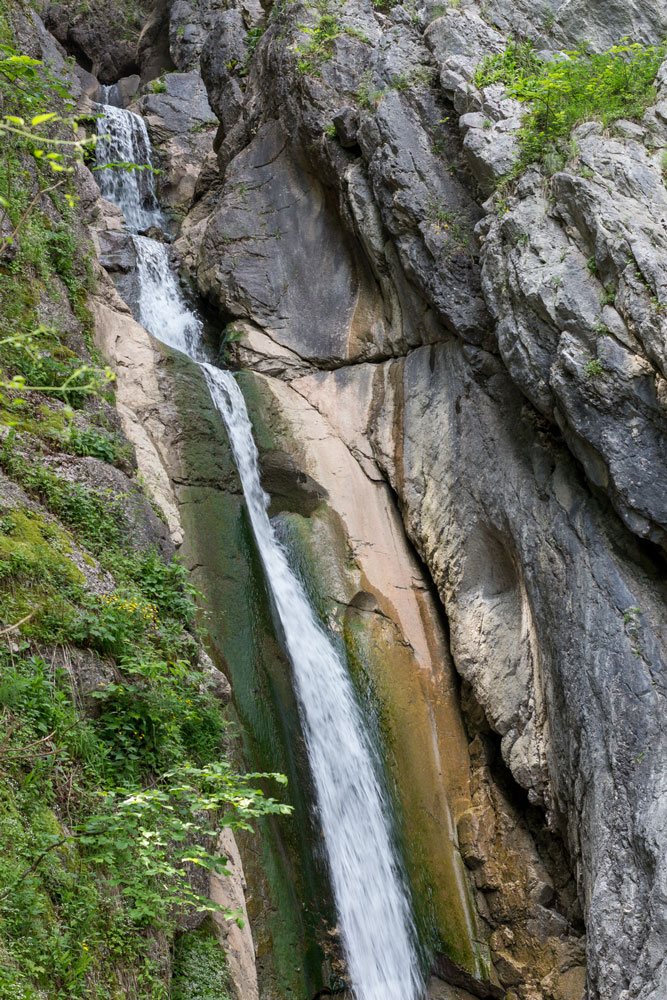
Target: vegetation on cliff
<point x="114" y="773"/>
<point x="572" y="88"/>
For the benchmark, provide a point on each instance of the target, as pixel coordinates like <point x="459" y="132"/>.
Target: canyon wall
<point x="479" y="513"/>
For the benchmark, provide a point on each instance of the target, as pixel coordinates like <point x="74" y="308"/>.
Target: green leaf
<point x="45" y="117"/>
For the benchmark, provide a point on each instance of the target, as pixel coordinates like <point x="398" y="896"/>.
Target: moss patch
<point x="200" y="968"/>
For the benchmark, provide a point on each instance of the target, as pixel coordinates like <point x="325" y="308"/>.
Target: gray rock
<point x="223" y="61"/>
<point x="180" y="108"/>
<point x="153" y="43"/>
<point x="576" y="287"/>
<point x="181" y="125"/>
<point x="123" y="91"/>
<point x="346" y="123"/>
<point x="313" y="294"/>
<point x="214" y="680"/>
<point x="90" y="674"/>
<point x="92" y="36"/>
<point x="117" y="251"/>
<point x="555" y="622"/>
<point x="498" y="375"/>
<point x="192" y="24"/>
<point x="7" y="238"/>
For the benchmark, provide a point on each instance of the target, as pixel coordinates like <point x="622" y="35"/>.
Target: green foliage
<point x="516" y="63"/>
<point x="594" y="368"/>
<point x="37" y="360"/>
<point x="319" y="46"/>
<point x="252" y="38"/>
<point x="143" y="786"/>
<point x="110" y="792"/>
<point x="575" y="87"/>
<point x="38" y="119"/>
<point x="420" y="76"/>
<point x="60" y="923"/>
<point x="158" y="86"/>
<point x="39" y="247"/>
<point x="200" y="969"/>
<point x="90" y="441"/>
<point x="368" y="95"/>
<point x="146" y="835"/>
<point x="94" y="514"/>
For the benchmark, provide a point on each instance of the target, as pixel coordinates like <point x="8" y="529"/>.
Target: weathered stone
<point x="223" y="61"/>
<point x="117" y="251"/>
<point x="8" y="245"/>
<point x="181" y="126"/>
<point x="90" y="674"/>
<point x="552" y="272"/>
<point x="91" y="36"/>
<point x="346" y="123"/>
<point x="215" y="681"/>
<point x="235" y="936"/>
<point x="329" y="253"/>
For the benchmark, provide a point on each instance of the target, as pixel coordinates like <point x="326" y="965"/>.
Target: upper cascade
<point x="123" y="139"/>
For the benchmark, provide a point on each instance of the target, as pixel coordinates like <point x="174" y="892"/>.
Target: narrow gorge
<point x="332" y="500"/>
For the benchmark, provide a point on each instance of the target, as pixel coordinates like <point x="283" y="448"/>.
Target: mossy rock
<point x="199" y="970"/>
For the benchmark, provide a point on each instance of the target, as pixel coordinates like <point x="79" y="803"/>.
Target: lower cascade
<point x="371" y="901"/>
<point x="370" y="893"/>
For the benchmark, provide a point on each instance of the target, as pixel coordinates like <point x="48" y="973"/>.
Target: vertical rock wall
<point x="414" y="352"/>
<point x="341" y="232"/>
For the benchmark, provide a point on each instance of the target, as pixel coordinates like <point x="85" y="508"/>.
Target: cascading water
<point x="122" y="138"/>
<point x="162" y="309"/>
<point x="372" y="901"/>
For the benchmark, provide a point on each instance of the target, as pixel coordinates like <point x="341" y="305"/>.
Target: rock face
<point x="180" y="124"/>
<point x="101" y="37"/>
<point x="497" y="375"/>
<point x="449" y="347"/>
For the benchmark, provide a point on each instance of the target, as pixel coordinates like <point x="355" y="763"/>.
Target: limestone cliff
<point x="459" y="397"/>
<point x="342" y="231"/>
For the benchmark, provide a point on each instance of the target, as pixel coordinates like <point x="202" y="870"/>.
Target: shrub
<point x="575" y="87"/>
<point x="368" y="95"/>
<point x="91" y="442"/>
<point x="200" y="968"/>
<point x="594" y="368"/>
<point x="142" y="806"/>
<point x="321" y="38"/>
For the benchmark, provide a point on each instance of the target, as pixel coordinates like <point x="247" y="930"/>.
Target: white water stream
<point x="372" y="902"/>
<point x="122" y="138"/>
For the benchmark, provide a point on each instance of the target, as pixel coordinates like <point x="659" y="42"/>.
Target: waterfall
<point x="122" y="138"/>
<point x="162" y="309"/>
<point x="372" y="901"/>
